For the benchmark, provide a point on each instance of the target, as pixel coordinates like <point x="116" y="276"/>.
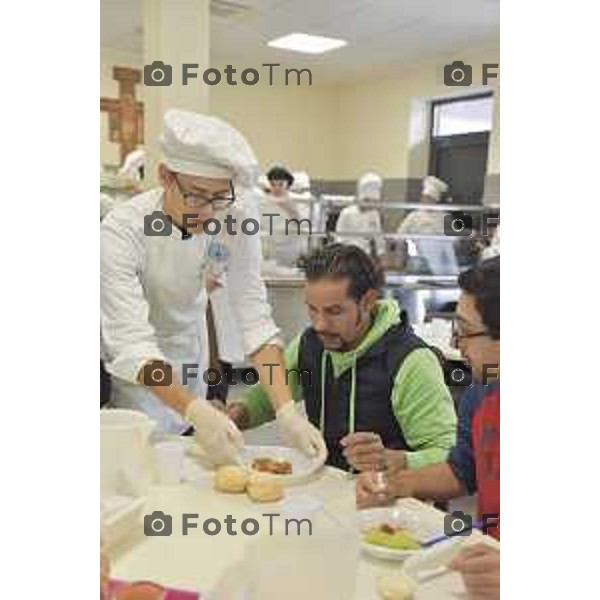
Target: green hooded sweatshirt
<point x="420" y="399"/>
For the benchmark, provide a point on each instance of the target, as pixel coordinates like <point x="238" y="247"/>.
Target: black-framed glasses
<point x="457" y="336"/>
<point x="201" y="200"/>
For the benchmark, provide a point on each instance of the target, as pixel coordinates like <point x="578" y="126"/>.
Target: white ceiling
<point x="380" y="33"/>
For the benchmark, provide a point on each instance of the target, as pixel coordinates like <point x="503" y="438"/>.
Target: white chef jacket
<point x="229" y="339"/>
<point x="352" y="219"/>
<point x="281" y="240"/>
<point x="153" y="298"/>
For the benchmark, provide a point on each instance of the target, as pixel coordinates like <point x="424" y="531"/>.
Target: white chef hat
<point x="204" y="146"/>
<point x="369" y="187"/>
<point x="434" y="187"/>
<point x="301" y="182"/>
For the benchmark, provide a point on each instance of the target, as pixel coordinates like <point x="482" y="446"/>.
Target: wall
<point x="337" y="132"/>
<point x="376" y="117"/>
<point x="297" y="125"/>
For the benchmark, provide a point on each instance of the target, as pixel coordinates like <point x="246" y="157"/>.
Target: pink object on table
<point x="170" y="593"/>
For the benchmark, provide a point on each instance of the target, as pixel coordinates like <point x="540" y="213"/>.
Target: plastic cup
<point x="169" y="462"/>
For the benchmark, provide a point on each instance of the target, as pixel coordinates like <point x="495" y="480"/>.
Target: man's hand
<point x="297" y="431"/>
<point x="365" y="451"/>
<point x="216" y="434"/>
<point x="479" y="566"/>
<point x="372" y="490"/>
<point x="382" y="488"/>
<point x="238" y="413"/>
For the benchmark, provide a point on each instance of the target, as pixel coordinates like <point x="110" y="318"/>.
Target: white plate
<point x="304" y="467"/>
<point x="445" y="587"/>
<point x="415" y="522"/>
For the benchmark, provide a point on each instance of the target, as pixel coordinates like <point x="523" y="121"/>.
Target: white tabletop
<point x="196" y="561"/>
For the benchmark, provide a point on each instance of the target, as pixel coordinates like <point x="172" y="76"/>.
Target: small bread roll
<point x="264" y="489"/>
<point x="231" y="479"/>
<point x="395" y="586"/>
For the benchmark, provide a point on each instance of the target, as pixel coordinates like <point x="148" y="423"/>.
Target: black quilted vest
<point x="376" y="370"/>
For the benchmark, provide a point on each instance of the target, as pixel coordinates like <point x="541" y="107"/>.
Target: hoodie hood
<point x="387" y="314"/>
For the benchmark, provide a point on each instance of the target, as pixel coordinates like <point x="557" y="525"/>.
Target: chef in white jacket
<point x="155" y="253"/>
<point x="285" y="219"/>
<point x="438" y="252"/>
<point x="362" y="219"/>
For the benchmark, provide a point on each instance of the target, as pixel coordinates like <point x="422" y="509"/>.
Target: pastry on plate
<point x="264" y="489"/>
<point x="272" y="465"/>
<point x="231" y="479"/>
<point x="142" y="590"/>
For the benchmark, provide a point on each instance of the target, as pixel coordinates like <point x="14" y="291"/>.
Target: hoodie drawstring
<point x="323" y="367"/>
<point x="352" y="396"/>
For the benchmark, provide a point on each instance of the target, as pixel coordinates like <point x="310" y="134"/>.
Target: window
<point x="465" y="115"/>
<point x="459" y="139"/>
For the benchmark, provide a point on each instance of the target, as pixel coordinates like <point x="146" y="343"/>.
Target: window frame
<point x="453" y="100"/>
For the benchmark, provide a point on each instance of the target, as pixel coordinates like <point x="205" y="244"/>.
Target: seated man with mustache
<point x="374" y="389"/>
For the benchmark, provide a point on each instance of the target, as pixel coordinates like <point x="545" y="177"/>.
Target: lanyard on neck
<point x="351" y="402"/>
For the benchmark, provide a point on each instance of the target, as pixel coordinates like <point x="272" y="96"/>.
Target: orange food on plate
<point x="272" y="466"/>
<point x="141" y="590"/>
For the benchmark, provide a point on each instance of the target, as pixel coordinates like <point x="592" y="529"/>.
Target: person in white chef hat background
<point x="357" y="218"/>
<point x="153" y="295"/>
<point x="285" y="215"/>
<point x="438" y="253"/>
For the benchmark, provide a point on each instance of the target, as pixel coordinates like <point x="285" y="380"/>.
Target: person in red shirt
<point x="473" y="465"/>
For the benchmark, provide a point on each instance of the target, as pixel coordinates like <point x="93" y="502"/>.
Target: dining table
<point x="194" y="561"/>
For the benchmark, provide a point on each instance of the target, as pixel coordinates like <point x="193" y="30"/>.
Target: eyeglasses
<point x="200" y="200"/>
<point x="457" y="336"/>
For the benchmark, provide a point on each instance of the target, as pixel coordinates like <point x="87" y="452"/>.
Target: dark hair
<point x="483" y="282"/>
<point x="280" y="174"/>
<point x="341" y="261"/>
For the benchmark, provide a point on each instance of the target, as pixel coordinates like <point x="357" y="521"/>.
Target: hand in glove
<point x="298" y="432"/>
<point x="216" y="434"/>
